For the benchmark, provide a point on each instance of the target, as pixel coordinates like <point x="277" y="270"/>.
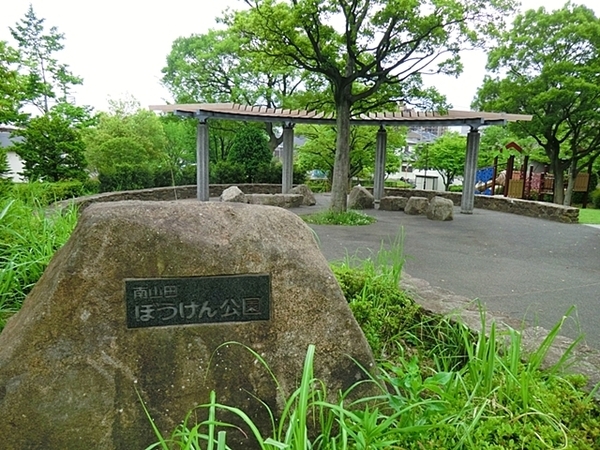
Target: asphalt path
<point x="531" y="269"/>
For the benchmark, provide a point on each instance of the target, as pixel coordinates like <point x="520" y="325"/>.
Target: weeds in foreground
<point x="28" y="239"/>
<point x="440" y="385"/>
<point x="329" y="217"/>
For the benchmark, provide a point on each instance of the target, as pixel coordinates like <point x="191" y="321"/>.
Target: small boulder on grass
<point x="233" y="194"/>
<point x="440" y="209"/>
<point x="360" y="198"/>
<point x="304" y="190"/>
<point x="416" y="206"/>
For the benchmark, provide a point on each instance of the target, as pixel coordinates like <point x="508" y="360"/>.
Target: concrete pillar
<point x="379" y="176"/>
<point x="468" y="194"/>
<point x="202" y="188"/>
<point x="287" y="174"/>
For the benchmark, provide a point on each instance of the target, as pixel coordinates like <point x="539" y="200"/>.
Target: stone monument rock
<point x="141" y="300"/>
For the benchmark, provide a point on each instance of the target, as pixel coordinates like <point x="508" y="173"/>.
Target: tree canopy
<point x="52" y="149"/>
<point x="47" y="80"/>
<point x="215" y="68"/>
<point x="547" y="65"/>
<point x="362" y="47"/>
<point x="127" y="135"/>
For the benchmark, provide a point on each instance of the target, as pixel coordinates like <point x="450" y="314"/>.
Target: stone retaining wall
<point x="549" y="211"/>
<point x="167" y="193"/>
<point x="541" y="210"/>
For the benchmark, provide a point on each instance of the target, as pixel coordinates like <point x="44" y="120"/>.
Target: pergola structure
<point x="203" y="112"/>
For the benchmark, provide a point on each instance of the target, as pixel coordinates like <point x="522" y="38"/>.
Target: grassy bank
<point x="440" y="386"/>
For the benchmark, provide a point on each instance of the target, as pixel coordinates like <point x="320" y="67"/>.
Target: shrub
<point x="42" y="193"/>
<point x="595" y="197"/>
<point x="250" y="149"/>
<point x="319" y="185"/>
<point x="126" y="177"/>
<point x="455" y="189"/>
<point x="225" y="172"/>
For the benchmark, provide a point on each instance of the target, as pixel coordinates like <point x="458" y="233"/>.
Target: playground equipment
<point x="522" y="183"/>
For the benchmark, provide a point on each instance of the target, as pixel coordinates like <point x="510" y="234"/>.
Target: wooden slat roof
<point x="233" y="111"/>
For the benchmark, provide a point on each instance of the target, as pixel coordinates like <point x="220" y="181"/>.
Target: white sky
<point x="120" y="47"/>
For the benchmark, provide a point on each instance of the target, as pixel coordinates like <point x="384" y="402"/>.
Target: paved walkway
<point x="528" y="268"/>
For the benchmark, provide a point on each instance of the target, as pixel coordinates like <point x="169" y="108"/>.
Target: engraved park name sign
<point x="156" y="302"/>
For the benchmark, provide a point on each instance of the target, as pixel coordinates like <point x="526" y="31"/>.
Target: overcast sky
<point x="120" y="47"/>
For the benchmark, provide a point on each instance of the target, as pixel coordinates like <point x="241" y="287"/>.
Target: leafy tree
<point x="547" y="65"/>
<point x="11" y="85"/>
<point x="318" y="152"/>
<point x="250" y="149"/>
<point x="214" y="68"/>
<point x="127" y="135"/>
<point x="493" y="144"/>
<point x="52" y="149"/>
<point x="180" y="146"/>
<point x="378" y="45"/>
<point x="446" y="155"/>
<point x="47" y="80"/>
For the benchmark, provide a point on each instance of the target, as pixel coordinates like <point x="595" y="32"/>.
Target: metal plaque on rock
<point x="155" y="302"/>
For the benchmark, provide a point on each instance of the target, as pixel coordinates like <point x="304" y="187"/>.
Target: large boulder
<point x="233" y="194"/>
<point x="304" y="190"/>
<point x="392" y="203"/>
<point x="91" y="334"/>
<point x="416" y="205"/>
<point x="440" y="209"/>
<point x="360" y="198"/>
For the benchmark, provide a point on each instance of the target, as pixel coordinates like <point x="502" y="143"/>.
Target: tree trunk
<point x="559" y="183"/>
<point x="571" y="184"/>
<point x="341" y="168"/>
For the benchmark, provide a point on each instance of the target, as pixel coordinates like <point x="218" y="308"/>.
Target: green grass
<point x="328" y="217"/>
<point x="589" y="216"/>
<point x="28" y="239"/>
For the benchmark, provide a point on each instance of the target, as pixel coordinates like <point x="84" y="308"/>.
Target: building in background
<point x="15" y="164"/>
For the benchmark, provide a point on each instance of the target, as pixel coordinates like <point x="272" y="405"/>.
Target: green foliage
<point x="329" y="217"/>
<point x="318" y="152"/>
<point x="52" y="150"/>
<point x="11" y="85"/>
<point x="595" y="197"/>
<point x="47" y="80"/>
<point x="43" y="194"/>
<point x="226" y="172"/>
<point x="250" y="150"/>
<point x="5" y="180"/>
<point x="446" y="155"/>
<point x="493" y="144"/>
<point x="125" y="177"/>
<point x="127" y="136"/>
<point x="29" y="236"/>
<point x="386" y="46"/>
<point x="552" y="78"/>
<point x="180" y="147"/>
